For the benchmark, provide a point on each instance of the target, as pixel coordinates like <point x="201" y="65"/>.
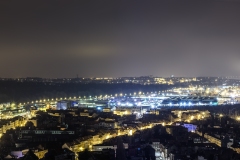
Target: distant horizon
<point x="35" y="77"/>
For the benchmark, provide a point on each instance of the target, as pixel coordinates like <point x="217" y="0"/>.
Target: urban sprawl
<point x="187" y="119"/>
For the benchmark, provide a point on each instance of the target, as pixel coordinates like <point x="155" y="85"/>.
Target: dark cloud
<point x="127" y="38"/>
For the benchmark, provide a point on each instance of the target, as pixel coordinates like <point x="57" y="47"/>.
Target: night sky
<point x="63" y="38"/>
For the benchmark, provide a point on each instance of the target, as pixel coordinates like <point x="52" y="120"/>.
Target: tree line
<point x="15" y="91"/>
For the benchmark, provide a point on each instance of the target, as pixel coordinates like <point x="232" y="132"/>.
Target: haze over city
<point x="120" y="80"/>
<point x="55" y="39"/>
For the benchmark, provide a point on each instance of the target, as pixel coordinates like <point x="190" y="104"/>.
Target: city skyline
<point x="56" y="39"/>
